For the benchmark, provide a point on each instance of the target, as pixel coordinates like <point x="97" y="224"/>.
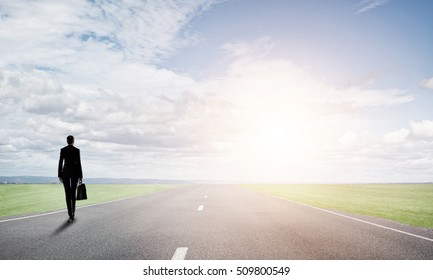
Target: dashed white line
<point x="200" y="208"/>
<point x="205" y="196"/>
<point x="180" y="253"/>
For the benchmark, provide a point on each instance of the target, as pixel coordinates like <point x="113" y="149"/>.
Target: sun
<point x="277" y="137"/>
<point x="274" y="135"/>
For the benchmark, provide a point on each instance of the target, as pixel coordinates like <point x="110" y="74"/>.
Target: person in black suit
<point x="70" y="174"/>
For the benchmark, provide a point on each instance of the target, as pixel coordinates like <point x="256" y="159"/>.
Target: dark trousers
<point x="70" y="184"/>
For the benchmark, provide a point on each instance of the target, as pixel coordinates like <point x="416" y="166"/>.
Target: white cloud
<point x="349" y="138"/>
<point x="241" y="49"/>
<point x="428" y="83"/>
<point x="254" y="78"/>
<point x="422" y="129"/>
<point x="367" y="5"/>
<point x="86" y="68"/>
<point x="139" y="30"/>
<point x="89" y="42"/>
<point x="397" y="136"/>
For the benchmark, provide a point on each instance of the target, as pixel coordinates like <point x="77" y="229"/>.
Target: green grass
<point x="29" y="198"/>
<point x="405" y="203"/>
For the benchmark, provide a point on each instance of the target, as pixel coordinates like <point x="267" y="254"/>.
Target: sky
<point x="211" y="90"/>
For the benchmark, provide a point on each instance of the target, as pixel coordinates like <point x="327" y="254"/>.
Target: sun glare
<point x="278" y="137"/>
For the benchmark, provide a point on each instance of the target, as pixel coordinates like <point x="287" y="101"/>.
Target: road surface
<point x="210" y="222"/>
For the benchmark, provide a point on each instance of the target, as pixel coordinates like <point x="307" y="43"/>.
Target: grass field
<point x="405" y="203"/>
<point x="29" y="198"/>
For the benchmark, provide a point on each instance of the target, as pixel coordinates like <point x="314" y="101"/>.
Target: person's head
<point x="70" y="140"/>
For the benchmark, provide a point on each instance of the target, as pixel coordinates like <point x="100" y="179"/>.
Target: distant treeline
<point x="54" y="180"/>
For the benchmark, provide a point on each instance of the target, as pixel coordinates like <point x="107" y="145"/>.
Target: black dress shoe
<point x="70" y="220"/>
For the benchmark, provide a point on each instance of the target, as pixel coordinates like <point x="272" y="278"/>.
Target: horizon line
<point x="210" y="181"/>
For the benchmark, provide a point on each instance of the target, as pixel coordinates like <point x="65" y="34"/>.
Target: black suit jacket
<point x="70" y="162"/>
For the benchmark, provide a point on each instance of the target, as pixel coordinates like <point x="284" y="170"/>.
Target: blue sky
<point x="325" y="34"/>
<point x="273" y="91"/>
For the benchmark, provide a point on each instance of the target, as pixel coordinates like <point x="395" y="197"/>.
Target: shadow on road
<point x="61" y="228"/>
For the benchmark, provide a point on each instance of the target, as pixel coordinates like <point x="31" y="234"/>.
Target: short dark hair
<point x="70" y="139"/>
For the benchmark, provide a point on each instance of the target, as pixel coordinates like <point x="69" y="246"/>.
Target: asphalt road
<point x="212" y="222"/>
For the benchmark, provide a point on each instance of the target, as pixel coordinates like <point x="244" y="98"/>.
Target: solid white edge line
<point x="200" y="208"/>
<point x="32" y="216"/>
<point x="180" y="253"/>
<point x="79" y="207"/>
<point x="351" y="218"/>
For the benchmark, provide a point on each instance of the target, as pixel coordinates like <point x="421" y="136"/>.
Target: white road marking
<point x="200" y="208"/>
<point x="32" y="216"/>
<point x="64" y="210"/>
<point x="355" y="219"/>
<point x="205" y="196"/>
<point x="180" y="253"/>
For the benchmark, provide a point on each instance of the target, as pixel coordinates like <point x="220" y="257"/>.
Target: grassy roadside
<point x="405" y="203"/>
<point x="36" y="198"/>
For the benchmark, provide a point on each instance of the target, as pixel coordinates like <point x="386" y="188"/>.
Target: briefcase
<point x="81" y="192"/>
